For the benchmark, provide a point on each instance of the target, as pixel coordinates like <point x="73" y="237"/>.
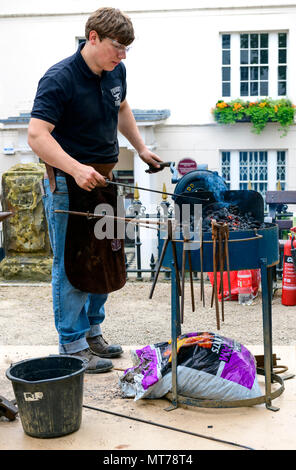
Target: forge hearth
<point x="232" y="216"/>
<point x="252" y="244"/>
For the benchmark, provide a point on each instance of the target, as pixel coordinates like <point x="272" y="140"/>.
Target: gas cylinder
<point x="289" y="271"/>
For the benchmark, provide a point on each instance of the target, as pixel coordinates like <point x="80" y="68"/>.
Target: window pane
<point x="225" y="74"/>
<point x="243" y="156"/>
<point x="263" y="73"/>
<point x="226" y="157"/>
<point x="225" y="57"/>
<point x="254" y="57"/>
<point x="254" y="89"/>
<point x="244" y="41"/>
<point x="264" y="40"/>
<point x="282" y="72"/>
<point x="282" y="40"/>
<point x="264" y="56"/>
<point x="282" y="88"/>
<point x="254" y="40"/>
<point x="244" y="57"/>
<point x="263" y="157"/>
<point x="281" y="167"/>
<point x="226" y="41"/>
<point x="244" y="75"/>
<point x="244" y="89"/>
<point x="282" y="56"/>
<point x="254" y="73"/>
<point x="225" y="89"/>
<point x="263" y="88"/>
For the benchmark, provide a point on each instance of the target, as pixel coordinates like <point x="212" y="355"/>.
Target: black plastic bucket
<point x="49" y="394"/>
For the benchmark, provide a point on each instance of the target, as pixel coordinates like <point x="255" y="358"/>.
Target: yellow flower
<point x="262" y="104"/>
<point x="221" y="105"/>
<point x="276" y="109"/>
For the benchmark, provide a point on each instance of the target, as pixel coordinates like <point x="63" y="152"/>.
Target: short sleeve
<point x="123" y="71"/>
<point x="50" y="100"/>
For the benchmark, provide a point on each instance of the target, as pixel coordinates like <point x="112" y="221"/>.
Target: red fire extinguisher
<point x="289" y="271"/>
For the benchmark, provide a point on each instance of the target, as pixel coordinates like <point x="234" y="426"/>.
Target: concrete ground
<point x="254" y="427"/>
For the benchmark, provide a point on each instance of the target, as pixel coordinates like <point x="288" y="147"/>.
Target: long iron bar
<point x="124" y="219"/>
<point x="152" y="423"/>
<point x="152" y="190"/>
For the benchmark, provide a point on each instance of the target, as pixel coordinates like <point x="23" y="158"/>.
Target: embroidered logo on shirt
<point x="116" y="93"/>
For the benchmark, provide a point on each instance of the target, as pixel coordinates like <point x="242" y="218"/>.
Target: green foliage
<point x="259" y="113"/>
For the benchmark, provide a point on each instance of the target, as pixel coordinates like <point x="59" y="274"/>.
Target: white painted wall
<point x="175" y="63"/>
<point x="175" y="60"/>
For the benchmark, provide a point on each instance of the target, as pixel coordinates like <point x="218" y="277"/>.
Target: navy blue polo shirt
<point x="83" y="108"/>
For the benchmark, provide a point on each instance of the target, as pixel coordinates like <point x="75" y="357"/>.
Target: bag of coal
<point x="209" y="366"/>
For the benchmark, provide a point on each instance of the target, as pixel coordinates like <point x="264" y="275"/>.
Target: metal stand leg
<point x="175" y="332"/>
<point x="267" y="332"/>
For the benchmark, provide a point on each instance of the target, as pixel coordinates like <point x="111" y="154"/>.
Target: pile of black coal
<point x="232" y="215"/>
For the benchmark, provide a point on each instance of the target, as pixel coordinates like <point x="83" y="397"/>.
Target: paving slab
<point x="255" y="427"/>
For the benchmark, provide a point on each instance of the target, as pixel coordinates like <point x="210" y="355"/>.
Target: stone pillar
<point x="26" y="241"/>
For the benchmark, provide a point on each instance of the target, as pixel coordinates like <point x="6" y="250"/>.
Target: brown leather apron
<point x="92" y="265"/>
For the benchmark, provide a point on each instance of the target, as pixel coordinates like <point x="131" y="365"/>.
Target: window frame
<point x="235" y="65"/>
<point x="272" y="167"/>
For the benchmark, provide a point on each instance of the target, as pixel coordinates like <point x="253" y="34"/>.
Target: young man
<point x="79" y="104"/>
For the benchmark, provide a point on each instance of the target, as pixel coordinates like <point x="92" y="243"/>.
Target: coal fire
<point x="232" y="215"/>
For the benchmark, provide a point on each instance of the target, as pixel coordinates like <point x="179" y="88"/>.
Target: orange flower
<point x="237" y="107"/>
<point x="221" y="105"/>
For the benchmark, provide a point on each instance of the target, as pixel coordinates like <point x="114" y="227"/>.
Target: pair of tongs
<point x="162" y="165"/>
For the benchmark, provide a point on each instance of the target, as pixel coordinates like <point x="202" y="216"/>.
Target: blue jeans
<point x="77" y="314"/>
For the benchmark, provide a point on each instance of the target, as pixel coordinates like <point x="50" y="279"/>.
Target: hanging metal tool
<point x="220" y="233"/>
<point x="202" y="290"/>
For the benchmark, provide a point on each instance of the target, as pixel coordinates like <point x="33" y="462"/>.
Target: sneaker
<point x="94" y="365"/>
<point x="100" y="347"/>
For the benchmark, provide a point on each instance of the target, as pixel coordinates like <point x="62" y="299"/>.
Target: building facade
<point x="184" y="59"/>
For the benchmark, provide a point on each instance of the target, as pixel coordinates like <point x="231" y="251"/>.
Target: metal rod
<point x="227" y="263"/>
<point x="191" y="281"/>
<point x="175" y="332"/>
<point x="202" y="291"/>
<point x="266" y="313"/>
<point x="230" y="241"/>
<point x="152" y="423"/>
<point x="124" y="219"/>
<point x="221" y="267"/>
<point x="159" y="266"/>
<point x="183" y="282"/>
<point x="176" y="266"/>
<point x="152" y="190"/>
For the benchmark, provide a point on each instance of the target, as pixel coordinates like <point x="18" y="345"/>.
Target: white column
<point x="234" y="169"/>
<point x="149" y="200"/>
<point x="271" y="170"/>
<point x="148" y="236"/>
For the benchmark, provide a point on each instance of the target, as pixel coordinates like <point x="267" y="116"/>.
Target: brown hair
<point x="112" y="23"/>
